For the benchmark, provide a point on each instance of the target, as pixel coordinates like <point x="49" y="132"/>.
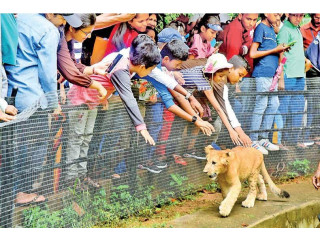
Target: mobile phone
<point x="291" y="44"/>
<point x="114" y="63"/>
<point x="218" y="44"/>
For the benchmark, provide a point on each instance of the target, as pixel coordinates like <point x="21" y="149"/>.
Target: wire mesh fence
<point x="90" y="166"/>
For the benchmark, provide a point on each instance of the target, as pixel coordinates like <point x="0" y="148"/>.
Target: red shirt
<point x="309" y="32"/>
<point x="128" y="37"/>
<point x="234" y="37"/>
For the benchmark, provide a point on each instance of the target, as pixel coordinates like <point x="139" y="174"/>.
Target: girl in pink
<point x="200" y="43"/>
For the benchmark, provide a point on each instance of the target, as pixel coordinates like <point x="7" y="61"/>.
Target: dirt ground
<point x="195" y="212"/>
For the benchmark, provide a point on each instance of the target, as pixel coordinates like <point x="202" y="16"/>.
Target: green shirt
<point x="294" y="66"/>
<point x="9" y="38"/>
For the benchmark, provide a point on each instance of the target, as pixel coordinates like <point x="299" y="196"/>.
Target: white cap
<point x="216" y="62"/>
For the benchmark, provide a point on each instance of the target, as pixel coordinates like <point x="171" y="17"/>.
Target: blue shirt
<point x="35" y="72"/>
<point x="267" y="65"/>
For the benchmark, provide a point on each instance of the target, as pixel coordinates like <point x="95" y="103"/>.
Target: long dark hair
<point x="117" y="38"/>
<point x="205" y="20"/>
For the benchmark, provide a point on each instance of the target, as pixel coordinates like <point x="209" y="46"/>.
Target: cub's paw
<point x="248" y="203"/>
<point x="224" y="210"/>
<point x="262" y="197"/>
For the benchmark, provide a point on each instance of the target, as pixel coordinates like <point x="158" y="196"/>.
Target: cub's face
<point x="217" y="161"/>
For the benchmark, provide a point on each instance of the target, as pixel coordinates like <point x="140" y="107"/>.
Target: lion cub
<point x="231" y="167"/>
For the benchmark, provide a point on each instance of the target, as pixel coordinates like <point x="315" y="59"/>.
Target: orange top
<point x="309" y="32"/>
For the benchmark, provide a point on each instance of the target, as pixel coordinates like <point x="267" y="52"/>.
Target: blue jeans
<point x="264" y="105"/>
<point x="313" y="84"/>
<point x="153" y="118"/>
<point x="246" y="85"/>
<point x="293" y="105"/>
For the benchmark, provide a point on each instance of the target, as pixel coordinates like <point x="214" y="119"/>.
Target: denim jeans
<point x="81" y="124"/>
<point x="313" y="84"/>
<point x="290" y="106"/>
<point x="246" y="85"/>
<point x="264" y="105"/>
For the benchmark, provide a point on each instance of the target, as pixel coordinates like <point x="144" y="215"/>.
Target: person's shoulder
<point x="37" y="23"/>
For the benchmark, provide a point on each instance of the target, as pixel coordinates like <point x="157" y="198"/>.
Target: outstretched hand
<point x="145" y="134"/>
<point x="196" y="106"/>
<point x="6" y="117"/>
<point x="235" y="138"/>
<point x="205" y="127"/>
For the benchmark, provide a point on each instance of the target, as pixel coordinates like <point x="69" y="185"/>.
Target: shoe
<point x="160" y="164"/>
<point x="256" y="145"/>
<point x="150" y="168"/>
<point x="179" y="160"/>
<point x="308" y="143"/>
<point x="268" y="145"/>
<point x="193" y="155"/>
<point x="301" y="145"/>
<point x="33" y="202"/>
<point x="91" y="183"/>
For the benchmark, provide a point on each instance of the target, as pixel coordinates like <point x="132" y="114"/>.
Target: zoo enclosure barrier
<point x="54" y="156"/>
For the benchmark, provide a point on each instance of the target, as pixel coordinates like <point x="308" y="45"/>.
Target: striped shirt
<point x="194" y="79"/>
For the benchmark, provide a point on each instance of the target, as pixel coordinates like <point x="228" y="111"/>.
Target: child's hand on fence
<point x="235" y="138"/>
<point x="246" y="141"/>
<point x="11" y="110"/>
<point x="6" y="117"/>
<point x="196" y="106"/>
<point x="205" y="127"/>
<point x="147" y="137"/>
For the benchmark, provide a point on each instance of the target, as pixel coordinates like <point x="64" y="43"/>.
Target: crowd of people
<point x="190" y="65"/>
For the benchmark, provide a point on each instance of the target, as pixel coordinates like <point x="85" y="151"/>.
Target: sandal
<point x="115" y="176"/>
<point x="33" y="202"/>
<point x="91" y="183"/>
<point x="301" y="146"/>
<point x="179" y="160"/>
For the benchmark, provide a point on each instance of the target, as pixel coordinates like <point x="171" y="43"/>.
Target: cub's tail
<point x="277" y="191"/>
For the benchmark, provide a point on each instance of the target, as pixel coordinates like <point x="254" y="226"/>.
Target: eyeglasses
<point x="86" y="33"/>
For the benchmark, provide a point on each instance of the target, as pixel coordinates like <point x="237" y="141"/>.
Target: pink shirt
<point x="80" y="95"/>
<point x="199" y="49"/>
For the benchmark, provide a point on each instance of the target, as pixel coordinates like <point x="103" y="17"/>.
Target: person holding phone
<point x="265" y="51"/>
<point x="292" y="78"/>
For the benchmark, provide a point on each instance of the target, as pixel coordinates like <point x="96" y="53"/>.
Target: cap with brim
<point x="169" y="34"/>
<point x="215" y="27"/>
<point x="74" y="20"/>
<point x="216" y="62"/>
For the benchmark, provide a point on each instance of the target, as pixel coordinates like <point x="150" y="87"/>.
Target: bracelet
<point x="194" y="119"/>
<point x="93" y="70"/>
<point x="188" y="96"/>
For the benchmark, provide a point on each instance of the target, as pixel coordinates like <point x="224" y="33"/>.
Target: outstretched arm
<point x="233" y="134"/>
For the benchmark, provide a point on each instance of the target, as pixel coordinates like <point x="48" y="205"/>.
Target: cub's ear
<point x="230" y="154"/>
<point x="208" y="148"/>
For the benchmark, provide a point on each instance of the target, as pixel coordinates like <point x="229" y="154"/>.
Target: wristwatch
<point x="194" y="119"/>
